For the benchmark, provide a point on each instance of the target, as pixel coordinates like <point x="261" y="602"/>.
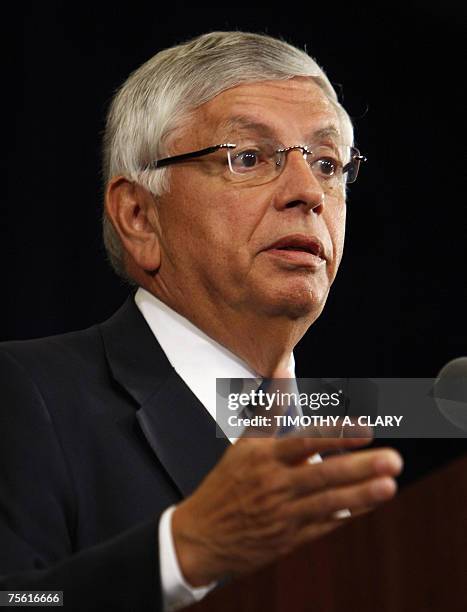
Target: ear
<point x="131" y="209"/>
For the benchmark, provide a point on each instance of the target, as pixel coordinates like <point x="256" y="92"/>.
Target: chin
<point x="297" y="303"/>
<point x="301" y="310"/>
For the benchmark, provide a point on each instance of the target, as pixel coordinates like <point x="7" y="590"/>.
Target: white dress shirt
<point x="198" y="360"/>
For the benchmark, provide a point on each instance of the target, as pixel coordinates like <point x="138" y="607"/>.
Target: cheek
<point x="336" y="226"/>
<point x="214" y="223"/>
<point x="230" y="218"/>
<point x="187" y="215"/>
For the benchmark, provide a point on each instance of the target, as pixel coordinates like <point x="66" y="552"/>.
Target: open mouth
<point x="309" y="245"/>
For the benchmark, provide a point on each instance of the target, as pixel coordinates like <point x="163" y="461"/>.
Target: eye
<point x="247" y="160"/>
<point x="327" y="166"/>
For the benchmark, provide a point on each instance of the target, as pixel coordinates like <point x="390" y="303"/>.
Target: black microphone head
<point x="450" y="392"/>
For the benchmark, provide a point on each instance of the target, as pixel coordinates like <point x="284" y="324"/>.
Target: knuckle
<point x="277" y="481"/>
<point x="263" y="482"/>
<point x="263" y="501"/>
<point x="321" y="476"/>
<point x="328" y="501"/>
<point x="245" y="457"/>
<point x="270" y="487"/>
<point x="258" y="451"/>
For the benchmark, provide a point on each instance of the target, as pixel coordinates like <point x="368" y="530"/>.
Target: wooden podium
<point x="408" y="556"/>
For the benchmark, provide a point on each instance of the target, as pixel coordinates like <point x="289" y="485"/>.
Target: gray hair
<point x="161" y="93"/>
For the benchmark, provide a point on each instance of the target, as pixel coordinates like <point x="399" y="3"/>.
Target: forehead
<point x="290" y="109"/>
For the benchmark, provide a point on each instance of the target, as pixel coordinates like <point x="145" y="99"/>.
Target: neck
<point x="265" y="344"/>
<point x="263" y="341"/>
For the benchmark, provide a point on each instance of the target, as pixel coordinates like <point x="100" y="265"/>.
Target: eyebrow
<point x="245" y="123"/>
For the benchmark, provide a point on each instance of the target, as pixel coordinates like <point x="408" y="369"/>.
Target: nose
<point x="299" y="186"/>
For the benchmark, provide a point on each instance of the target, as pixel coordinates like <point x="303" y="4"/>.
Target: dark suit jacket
<point x="98" y="435"/>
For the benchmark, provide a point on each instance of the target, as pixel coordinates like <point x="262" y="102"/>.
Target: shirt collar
<point x="197" y="358"/>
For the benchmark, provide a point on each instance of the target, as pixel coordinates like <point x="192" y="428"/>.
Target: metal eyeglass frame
<point x="354" y="163"/>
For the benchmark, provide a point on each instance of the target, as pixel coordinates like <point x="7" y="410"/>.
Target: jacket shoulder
<point x="42" y="354"/>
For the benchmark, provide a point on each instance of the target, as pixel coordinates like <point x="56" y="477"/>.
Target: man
<point x="226" y="164"/>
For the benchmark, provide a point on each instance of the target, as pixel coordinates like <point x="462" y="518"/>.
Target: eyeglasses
<point x="262" y="162"/>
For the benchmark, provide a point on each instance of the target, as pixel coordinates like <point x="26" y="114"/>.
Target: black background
<point x="398" y="305"/>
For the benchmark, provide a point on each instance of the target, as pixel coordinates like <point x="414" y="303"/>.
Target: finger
<point x="361" y="511"/>
<point x="344" y="470"/>
<point x="293" y="449"/>
<point x="352" y="429"/>
<point x="355" y="497"/>
<point x="314" y="530"/>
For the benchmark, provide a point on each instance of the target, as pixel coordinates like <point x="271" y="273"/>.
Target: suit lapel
<point x="176" y="425"/>
<point x="181" y="433"/>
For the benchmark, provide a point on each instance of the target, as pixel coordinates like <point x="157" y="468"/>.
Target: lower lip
<point x="298" y="258"/>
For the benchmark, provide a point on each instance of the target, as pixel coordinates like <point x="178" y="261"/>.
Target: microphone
<point x="450" y="392"/>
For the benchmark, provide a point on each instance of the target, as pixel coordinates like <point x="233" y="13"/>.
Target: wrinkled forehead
<point x="289" y="111"/>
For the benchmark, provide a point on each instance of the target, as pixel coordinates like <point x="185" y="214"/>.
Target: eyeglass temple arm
<point x="167" y="161"/>
<point x="360" y="158"/>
